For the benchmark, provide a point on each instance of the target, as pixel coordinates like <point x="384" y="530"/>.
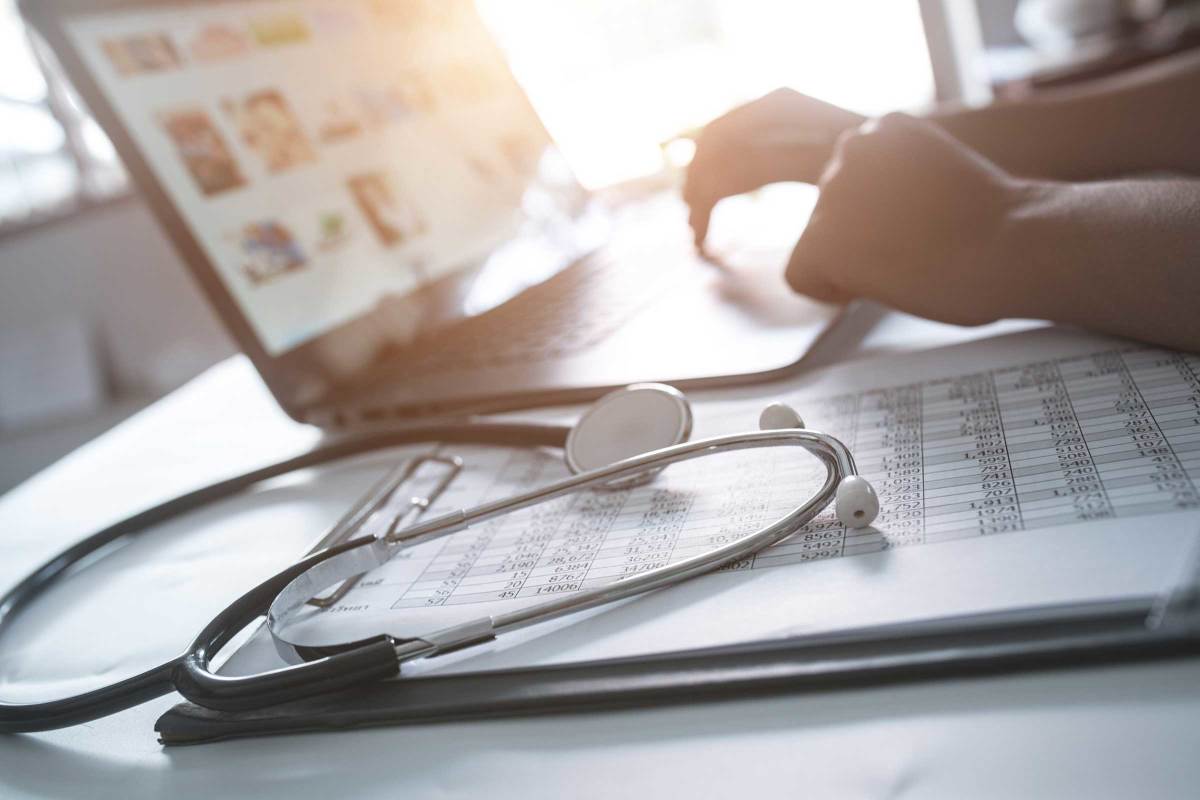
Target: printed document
<point x="1048" y="445"/>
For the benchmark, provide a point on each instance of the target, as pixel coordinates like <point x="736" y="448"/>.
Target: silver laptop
<point x="375" y="210"/>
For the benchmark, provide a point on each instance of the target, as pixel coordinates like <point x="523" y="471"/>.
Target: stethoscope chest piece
<point x="625" y="423"/>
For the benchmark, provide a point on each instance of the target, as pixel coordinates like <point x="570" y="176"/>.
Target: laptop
<point x="375" y="210"/>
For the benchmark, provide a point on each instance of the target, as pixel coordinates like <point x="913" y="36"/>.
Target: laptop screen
<point x="327" y="155"/>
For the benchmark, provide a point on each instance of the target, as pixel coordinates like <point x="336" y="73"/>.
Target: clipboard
<point x="970" y="646"/>
<point x="1091" y="632"/>
<point x="964" y="646"/>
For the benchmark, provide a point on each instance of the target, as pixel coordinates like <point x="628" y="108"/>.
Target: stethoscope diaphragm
<point x="627" y="422"/>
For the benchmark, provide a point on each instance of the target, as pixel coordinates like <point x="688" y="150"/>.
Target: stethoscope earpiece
<point x="855" y="503"/>
<point x="778" y="417"/>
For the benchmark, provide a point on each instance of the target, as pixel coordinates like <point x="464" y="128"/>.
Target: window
<point x="53" y="156"/>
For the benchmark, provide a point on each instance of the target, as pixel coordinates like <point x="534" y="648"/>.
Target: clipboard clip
<point x="381" y="498"/>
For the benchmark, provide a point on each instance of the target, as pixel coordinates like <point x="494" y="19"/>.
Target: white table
<point x="1128" y="731"/>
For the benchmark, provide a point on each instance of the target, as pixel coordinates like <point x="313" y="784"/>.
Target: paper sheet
<point x="1016" y="435"/>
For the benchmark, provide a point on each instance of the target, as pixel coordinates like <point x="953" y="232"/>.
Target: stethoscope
<point x="623" y="440"/>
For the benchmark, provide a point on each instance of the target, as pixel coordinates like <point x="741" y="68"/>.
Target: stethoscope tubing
<point x="381" y="657"/>
<point x="832" y="454"/>
<point x="378" y="658"/>
<point x="160" y="680"/>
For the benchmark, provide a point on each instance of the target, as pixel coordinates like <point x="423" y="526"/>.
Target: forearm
<point x="1146" y="120"/>
<point x="1121" y="257"/>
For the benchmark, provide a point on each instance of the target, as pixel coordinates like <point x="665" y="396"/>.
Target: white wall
<point x="114" y="271"/>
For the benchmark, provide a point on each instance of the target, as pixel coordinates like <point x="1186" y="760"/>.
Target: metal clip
<point x="412" y="510"/>
<point x="418" y="505"/>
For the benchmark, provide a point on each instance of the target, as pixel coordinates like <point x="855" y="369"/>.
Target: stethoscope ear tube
<point x="332" y="570"/>
<point x="380" y="658"/>
<point x="368" y="662"/>
<point x="32" y="717"/>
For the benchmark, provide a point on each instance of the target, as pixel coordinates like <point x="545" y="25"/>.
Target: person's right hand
<point x="783" y="136"/>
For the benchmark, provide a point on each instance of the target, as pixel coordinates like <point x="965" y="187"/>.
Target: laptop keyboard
<point x="569" y="312"/>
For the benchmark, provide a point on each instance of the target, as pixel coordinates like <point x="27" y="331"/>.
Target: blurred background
<point x="99" y="318"/>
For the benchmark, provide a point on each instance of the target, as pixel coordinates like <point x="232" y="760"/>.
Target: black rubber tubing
<point x="189" y="672"/>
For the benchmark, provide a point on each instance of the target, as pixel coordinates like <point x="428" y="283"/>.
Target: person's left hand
<point x="911" y="217"/>
<point x="782" y="136"/>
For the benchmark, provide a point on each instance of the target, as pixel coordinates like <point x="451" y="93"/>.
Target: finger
<point x="700" y="197"/>
<point x="809" y="281"/>
<point x="811" y="267"/>
<point x="699" y="178"/>
<point x="698" y="219"/>
<point x="710" y="179"/>
<point x="727" y="169"/>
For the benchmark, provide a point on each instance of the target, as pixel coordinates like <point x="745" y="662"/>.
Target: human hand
<point x="783" y="136"/>
<point x="911" y="217"/>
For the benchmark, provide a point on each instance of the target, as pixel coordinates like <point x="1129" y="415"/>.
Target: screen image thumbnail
<point x="203" y="150"/>
<point x="267" y="250"/>
<point x="268" y="127"/>
<point x="280" y="29"/>
<point x="134" y="55"/>
<point x="392" y="219"/>
<point x="217" y="42"/>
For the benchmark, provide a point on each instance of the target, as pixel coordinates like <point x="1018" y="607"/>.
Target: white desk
<point x="1129" y="731"/>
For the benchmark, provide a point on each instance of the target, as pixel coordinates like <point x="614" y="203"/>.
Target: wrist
<point x="1028" y="253"/>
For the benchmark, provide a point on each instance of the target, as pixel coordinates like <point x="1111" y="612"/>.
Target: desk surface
<point x="1104" y="732"/>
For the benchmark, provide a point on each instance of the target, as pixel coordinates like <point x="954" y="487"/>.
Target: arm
<point x="1118" y="256"/>
<point x="910" y="216"/>
<point x="1144" y="120"/>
